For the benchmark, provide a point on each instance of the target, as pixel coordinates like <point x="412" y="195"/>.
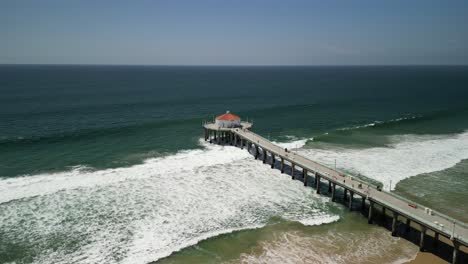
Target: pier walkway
<point x="399" y="207"/>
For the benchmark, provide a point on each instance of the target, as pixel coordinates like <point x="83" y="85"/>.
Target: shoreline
<point x="426" y="258"/>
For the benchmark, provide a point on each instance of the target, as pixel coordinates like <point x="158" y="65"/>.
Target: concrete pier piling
<point x="317" y="177"/>
<point x="399" y="207"/>
<point x="407" y="226"/>
<point x="350" y="202"/>
<point x="422" y="238"/>
<point x="384" y="214"/>
<point x="371" y="211"/>
<point x="435" y="241"/>
<point x="456" y="248"/>
<point x="292" y="170"/>
<point x="304" y="175"/>
<point x="333" y="192"/>
<point x="394" y="223"/>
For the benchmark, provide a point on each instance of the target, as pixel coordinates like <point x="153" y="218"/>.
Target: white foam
<point x="377" y="122"/>
<point x="325" y="219"/>
<point x="294" y="144"/>
<point x="407" y="156"/>
<point x="334" y="247"/>
<point x="145" y="212"/>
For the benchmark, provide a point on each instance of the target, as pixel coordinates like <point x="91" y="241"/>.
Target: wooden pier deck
<point x="400" y="208"/>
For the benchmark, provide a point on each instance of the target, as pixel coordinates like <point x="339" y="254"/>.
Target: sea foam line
<point x="408" y="155"/>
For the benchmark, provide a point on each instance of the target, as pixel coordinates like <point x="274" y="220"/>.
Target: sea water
<point x="106" y="164"/>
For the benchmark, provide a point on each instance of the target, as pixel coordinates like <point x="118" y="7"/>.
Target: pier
<point x="368" y="197"/>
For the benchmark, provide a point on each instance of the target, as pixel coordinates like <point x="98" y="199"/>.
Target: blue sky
<point x="250" y="32"/>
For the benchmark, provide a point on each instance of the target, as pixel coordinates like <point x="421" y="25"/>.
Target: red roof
<point x="228" y="117"/>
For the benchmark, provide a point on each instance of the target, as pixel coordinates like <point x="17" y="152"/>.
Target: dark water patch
<point x="443" y="191"/>
<point x="378" y="133"/>
<point x="98" y="148"/>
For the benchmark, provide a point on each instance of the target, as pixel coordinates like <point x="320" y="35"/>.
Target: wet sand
<point x="427" y="258"/>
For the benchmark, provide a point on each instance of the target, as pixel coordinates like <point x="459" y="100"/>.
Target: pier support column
<point x="421" y="238"/>
<point x="345" y="194"/>
<point x="235" y="140"/>
<point x="407" y="225"/>
<point x="272" y="160"/>
<point x="384" y="214"/>
<point x="363" y="203"/>
<point x="329" y="186"/>
<point x="292" y="170"/>
<point x="371" y="209"/>
<point x="435" y="242"/>
<point x="333" y="192"/>
<point x="248" y="146"/>
<point x="394" y="223"/>
<point x="282" y="165"/>
<point x="264" y="156"/>
<point x="305" y="176"/>
<point x="242" y="143"/>
<point x="317" y="177"/>
<point x="456" y="247"/>
<point x="256" y="151"/>
<point x="350" y="204"/>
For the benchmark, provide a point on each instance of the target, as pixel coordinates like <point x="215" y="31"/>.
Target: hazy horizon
<point x="234" y="33"/>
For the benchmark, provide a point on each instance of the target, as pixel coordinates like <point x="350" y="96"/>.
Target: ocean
<point x="107" y="164"/>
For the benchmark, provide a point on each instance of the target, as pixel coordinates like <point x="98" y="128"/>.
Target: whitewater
<point x="146" y="212"/>
<point x="404" y="157"/>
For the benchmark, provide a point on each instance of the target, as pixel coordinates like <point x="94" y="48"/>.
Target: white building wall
<point x="228" y="123"/>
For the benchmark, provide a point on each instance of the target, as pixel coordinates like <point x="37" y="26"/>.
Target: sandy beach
<point x="427" y="258"/>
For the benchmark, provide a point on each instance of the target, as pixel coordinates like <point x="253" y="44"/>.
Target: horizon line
<point x="231" y="65"/>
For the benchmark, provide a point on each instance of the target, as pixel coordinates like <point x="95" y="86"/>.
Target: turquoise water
<point x="109" y="158"/>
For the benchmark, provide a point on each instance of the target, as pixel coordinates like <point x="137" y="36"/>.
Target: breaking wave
<point x="406" y="156"/>
<point x="145" y="212"/>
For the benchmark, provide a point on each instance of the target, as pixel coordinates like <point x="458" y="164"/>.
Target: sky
<point x="236" y="32"/>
